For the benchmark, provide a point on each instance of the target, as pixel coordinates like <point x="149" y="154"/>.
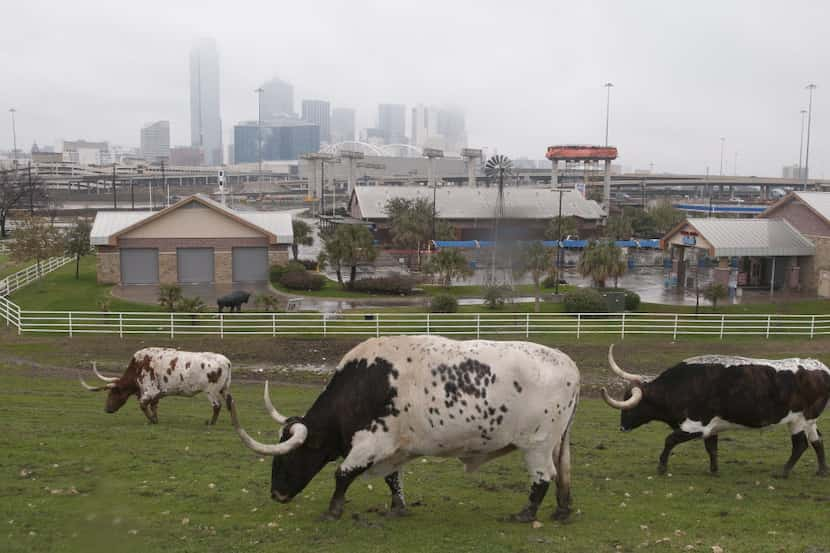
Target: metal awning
<point x="748" y="237"/>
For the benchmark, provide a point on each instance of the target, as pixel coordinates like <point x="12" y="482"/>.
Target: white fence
<point x="4" y="248"/>
<point x="21" y="278"/>
<point x="526" y="325"/>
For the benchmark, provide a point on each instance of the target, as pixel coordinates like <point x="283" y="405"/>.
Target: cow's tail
<point x="562" y="460"/>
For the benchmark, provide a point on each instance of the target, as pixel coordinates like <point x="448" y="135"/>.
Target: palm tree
<point x="537" y="260"/>
<point x="601" y="261"/>
<point x="569" y="227"/>
<point x="302" y="236"/>
<point x="348" y="246"/>
<point x="449" y="265"/>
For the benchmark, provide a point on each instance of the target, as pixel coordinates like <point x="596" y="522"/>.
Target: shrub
<point x="496" y="296"/>
<point x="584" y="300"/>
<point x="395" y="284"/>
<point x="549" y="281"/>
<point x="104" y="304"/>
<point x="309" y="264"/>
<point x="632" y="300"/>
<point x="277" y="271"/>
<point x="443" y="303"/>
<point x="303" y="280"/>
<point x="267" y="302"/>
<point x="169" y="296"/>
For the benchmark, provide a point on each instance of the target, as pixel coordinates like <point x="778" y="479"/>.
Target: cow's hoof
<point x="781" y="474"/>
<point x="662" y="469"/>
<point x="398" y="512"/>
<point x="561" y="515"/>
<point x="524" y="516"/>
<point x="714" y="473"/>
<point x="331" y="515"/>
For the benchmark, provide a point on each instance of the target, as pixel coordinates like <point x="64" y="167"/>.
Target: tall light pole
<point x="259" y="92"/>
<point x="801" y="144"/>
<point x="810" y="87"/>
<point x="607" y="108"/>
<point x="722" y="140"/>
<point x="14" y="136"/>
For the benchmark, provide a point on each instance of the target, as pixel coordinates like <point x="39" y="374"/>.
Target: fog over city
<point x="527" y="74"/>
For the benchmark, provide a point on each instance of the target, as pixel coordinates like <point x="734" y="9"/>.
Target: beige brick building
<point x="195" y="241"/>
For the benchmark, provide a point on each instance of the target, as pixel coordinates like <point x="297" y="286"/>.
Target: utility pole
<point x="608" y="87"/>
<point x="14" y="136"/>
<point x="259" y="92"/>
<point x="132" y="195"/>
<point x="164" y="181"/>
<point x="432" y="154"/>
<point x="31" y="189"/>
<point x="114" y="190"/>
<point x="559" y="243"/>
<point x="810" y="87"/>
<point x="801" y="145"/>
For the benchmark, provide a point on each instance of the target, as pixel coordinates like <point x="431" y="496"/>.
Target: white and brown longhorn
<point x="157" y="372"/>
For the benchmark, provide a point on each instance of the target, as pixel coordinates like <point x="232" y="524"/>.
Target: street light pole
<point x="14" y="136"/>
<point x="810" y="87"/>
<point x="801" y="144"/>
<point x="559" y="244"/>
<point x="607" y="108"/>
<point x="259" y="92"/>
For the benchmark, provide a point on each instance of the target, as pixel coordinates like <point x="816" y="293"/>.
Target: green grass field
<point x="7" y="266"/>
<point x="73" y="478"/>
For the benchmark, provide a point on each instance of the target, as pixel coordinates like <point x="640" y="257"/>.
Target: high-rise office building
<point x="282" y="139"/>
<point x="452" y="128"/>
<point x="277" y="99"/>
<point x="155" y="141"/>
<point x="318" y="112"/>
<point x="342" y="125"/>
<point x="442" y="128"/>
<point x="392" y="121"/>
<point x="424" y="125"/>
<point x="205" y="119"/>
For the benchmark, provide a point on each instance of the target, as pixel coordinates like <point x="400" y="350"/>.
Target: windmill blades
<point x="498" y="166"/>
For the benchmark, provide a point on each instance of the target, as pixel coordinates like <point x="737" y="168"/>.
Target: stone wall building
<point x="195" y="241"/>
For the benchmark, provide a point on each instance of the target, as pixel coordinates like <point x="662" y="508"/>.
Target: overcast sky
<point x="528" y="74"/>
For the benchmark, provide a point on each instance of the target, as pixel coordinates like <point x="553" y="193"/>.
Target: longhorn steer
<point x="702" y="396"/>
<point x="157" y="372"/>
<point x="394" y="399"/>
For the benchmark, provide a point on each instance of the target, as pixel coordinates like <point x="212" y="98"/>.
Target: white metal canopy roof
<point x="108" y="223"/>
<point x="752" y="237"/>
<point x="461" y="202"/>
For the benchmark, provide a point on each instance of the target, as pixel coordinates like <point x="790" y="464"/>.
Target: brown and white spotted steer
<point x="157" y="372"/>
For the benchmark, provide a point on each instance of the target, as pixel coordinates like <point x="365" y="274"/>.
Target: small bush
<point x="443" y="303"/>
<point x="549" y="281"/>
<point x="277" y="271"/>
<point x="400" y="285"/>
<point x="584" y="300"/>
<point x="632" y="300"/>
<point x="303" y="280"/>
<point x="169" y="296"/>
<point x="267" y="302"/>
<point x="309" y="264"/>
<point x="496" y="296"/>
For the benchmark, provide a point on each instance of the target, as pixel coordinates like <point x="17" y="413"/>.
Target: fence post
<point x="769" y="320"/>
<point x="578" y="325"/>
<point x="674" y="334"/>
<point x="812" y="326"/>
<point x="377" y="325"/>
<point x="70" y="324"/>
<point x="622" y="327"/>
<point x="527" y="325"/>
<point x="722" y="321"/>
<point x="325" y="327"/>
<point x="221" y="324"/>
<point x="120" y="325"/>
<point x="427" y="324"/>
<point x="478" y="325"/>
<point x="273" y="325"/>
<point x="172" y="323"/>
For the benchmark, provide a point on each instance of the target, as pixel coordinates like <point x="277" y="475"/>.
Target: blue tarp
<point x="705" y="208"/>
<point x="456" y="243"/>
<point x="626" y="243"/>
<point x="573" y="244"/>
<point x="654" y="244"/>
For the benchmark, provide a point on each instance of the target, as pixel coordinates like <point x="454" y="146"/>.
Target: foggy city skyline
<point x="526" y="75"/>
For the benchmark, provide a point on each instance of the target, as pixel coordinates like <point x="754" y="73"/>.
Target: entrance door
<point x="195" y="265"/>
<point x="250" y="264"/>
<point x="139" y="266"/>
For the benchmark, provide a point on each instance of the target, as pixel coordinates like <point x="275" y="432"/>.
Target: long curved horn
<point x="270" y="407"/>
<point x="299" y="433"/>
<point x="637" y="379"/>
<point x="630" y="403"/>
<point x="102" y="377"/>
<point x="93" y="388"/>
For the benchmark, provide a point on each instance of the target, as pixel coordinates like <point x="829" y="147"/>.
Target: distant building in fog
<point x="342" y="125"/>
<point x="86" y="153"/>
<point x="282" y="139"/>
<point x="392" y="121"/>
<point x="188" y="156"/>
<point x="277" y="99"/>
<point x="793" y="172"/>
<point x="451" y="126"/>
<point x="155" y="141"/>
<point x="205" y="118"/>
<point x="317" y="112"/>
<point x="442" y="128"/>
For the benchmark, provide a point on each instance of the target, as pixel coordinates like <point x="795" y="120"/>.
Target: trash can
<point x="614" y="301"/>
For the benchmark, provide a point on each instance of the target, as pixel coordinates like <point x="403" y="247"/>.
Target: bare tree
<point x="11" y="195"/>
<point x="36" y="239"/>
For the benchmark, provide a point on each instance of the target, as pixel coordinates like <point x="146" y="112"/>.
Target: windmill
<point x="498" y="166"/>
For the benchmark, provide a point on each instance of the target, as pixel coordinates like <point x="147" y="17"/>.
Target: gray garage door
<point x="250" y="264"/>
<point x="195" y="265"/>
<point x="139" y="265"/>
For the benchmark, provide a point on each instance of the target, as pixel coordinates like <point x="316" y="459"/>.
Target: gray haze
<point x="528" y="74"/>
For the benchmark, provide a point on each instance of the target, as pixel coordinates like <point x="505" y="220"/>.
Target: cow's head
<point x="300" y="454"/>
<point x="245" y="296"/>
<point x="120" y="389"/>
<point x="636" y="408"/>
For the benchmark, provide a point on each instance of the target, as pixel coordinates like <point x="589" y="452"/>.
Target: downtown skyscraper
<point x="205" y="119"/>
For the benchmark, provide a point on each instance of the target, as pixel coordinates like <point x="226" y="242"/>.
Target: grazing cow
<point x="394" y="399"/>
<point x="702" y="396"/>
<point x="233" y="301"/>
<point x="157" y="372"/>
